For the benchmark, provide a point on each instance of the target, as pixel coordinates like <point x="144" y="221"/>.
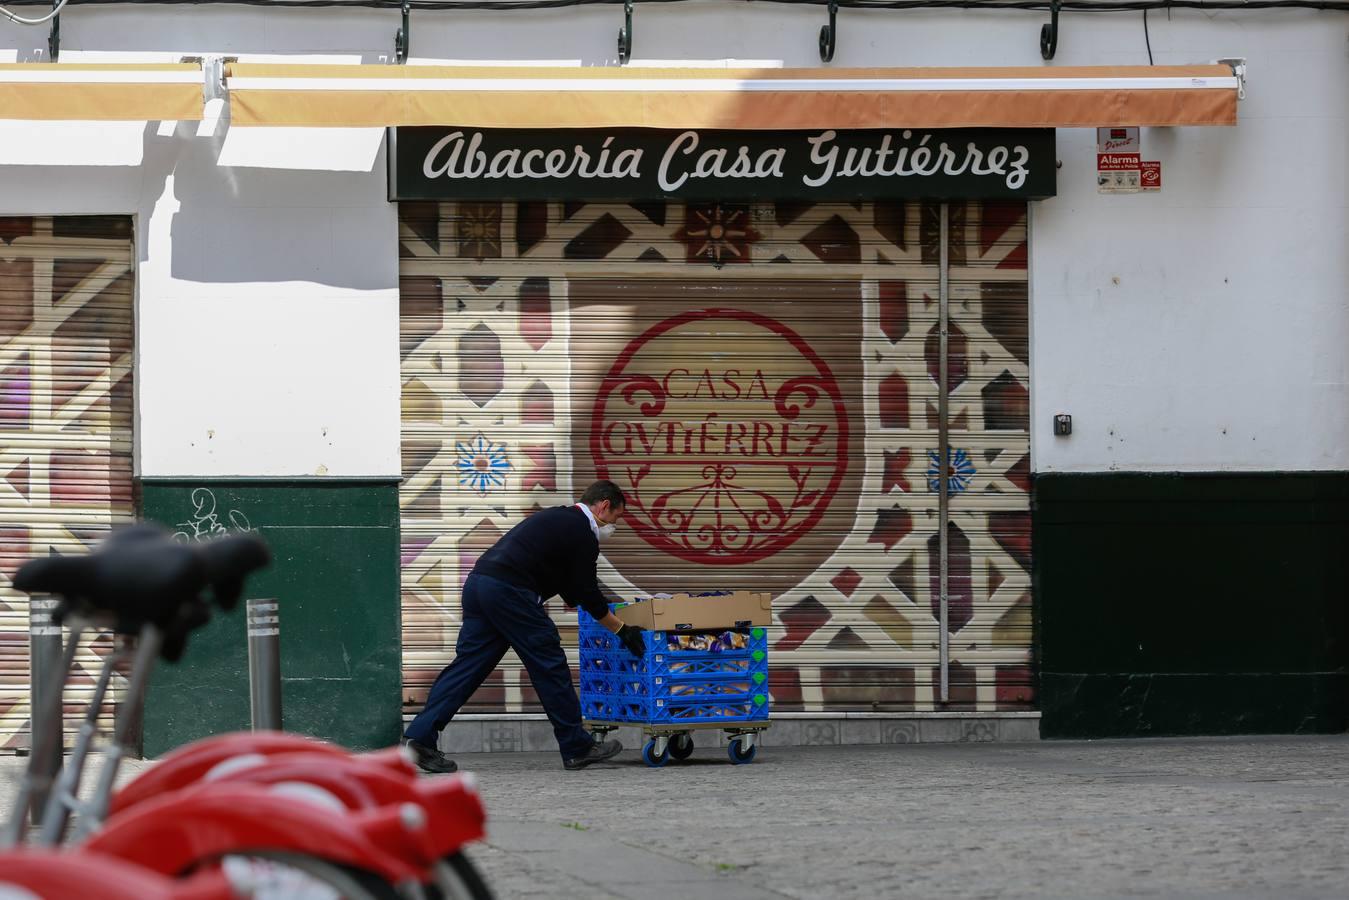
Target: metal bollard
<point x="46" y="664"/>
<point x="264" y="663"/>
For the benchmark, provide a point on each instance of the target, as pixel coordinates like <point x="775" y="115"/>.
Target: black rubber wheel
<point x="456" y="878"/>
<point x="681" y="746"/>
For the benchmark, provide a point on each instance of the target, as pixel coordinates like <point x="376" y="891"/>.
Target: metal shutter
<point x="762" y="379"/>
<point x="65" y="421"/>
<point x="988" y="459"/>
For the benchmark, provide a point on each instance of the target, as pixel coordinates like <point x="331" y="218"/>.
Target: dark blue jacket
<point x="551" y="552"/>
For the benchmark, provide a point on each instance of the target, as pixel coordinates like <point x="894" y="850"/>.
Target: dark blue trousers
<point x="498" y="616"/>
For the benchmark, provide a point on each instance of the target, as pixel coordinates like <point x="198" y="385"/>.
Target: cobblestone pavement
<point x="1174" y="818"/>
<point x="1248" y="817"/>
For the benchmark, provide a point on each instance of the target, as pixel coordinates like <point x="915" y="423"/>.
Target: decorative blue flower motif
<point x="482" y="464"/>
<point x="959" y="473"/>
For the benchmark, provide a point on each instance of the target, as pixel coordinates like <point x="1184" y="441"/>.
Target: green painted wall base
<point x="335" y="574"/>
<point x="1192" y="604"/>
<point x="1169" y="704"/>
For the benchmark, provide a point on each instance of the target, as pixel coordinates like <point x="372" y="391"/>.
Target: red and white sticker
<point x="1119" y="140"/>
<point x="1118" y="172"/>
<point x="1150" y="175"/>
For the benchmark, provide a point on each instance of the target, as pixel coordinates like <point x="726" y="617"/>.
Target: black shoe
<point x="432" y="761"/>
<point x="598" y="752"/>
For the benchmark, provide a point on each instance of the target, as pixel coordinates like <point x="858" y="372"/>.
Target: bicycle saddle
<point x="229" y="560"/>
<point x="130" y="582"/>
<point x="140" y="576"/>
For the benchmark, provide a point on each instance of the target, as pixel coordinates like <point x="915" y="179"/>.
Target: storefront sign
<point x="447" y="163"/>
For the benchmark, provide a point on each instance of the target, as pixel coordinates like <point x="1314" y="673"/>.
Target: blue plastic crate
<point x="718" y="687"/>
<point x="675" y="663"/>
<point x="673" y="712"/>
<point x="671" y="686"/>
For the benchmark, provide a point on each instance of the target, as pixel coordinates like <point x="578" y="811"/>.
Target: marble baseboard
<point x="532" y="733"/>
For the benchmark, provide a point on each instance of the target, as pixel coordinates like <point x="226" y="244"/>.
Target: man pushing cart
<point x="671" y="665"/>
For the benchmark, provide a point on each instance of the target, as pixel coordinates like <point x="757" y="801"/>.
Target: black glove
<point x="631" y="636"/>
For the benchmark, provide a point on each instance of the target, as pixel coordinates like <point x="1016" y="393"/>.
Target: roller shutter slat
<point x="66" y="333"/>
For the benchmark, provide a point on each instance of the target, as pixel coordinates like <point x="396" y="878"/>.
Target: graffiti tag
<point x="205" y="522"/>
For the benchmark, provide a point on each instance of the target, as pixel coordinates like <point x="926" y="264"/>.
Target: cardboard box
<point x="683" y="612"/>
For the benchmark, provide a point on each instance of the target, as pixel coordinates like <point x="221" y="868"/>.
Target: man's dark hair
<point x="604" y="490"/>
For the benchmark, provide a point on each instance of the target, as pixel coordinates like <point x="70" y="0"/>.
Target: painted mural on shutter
<point x="988" y="466"/>
<point x="66" y="335"/>
<point x="762" y="380"/>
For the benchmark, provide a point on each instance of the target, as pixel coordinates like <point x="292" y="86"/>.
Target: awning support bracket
<point x="829" y="34"/>
<point x="403" y="39"/>
<point x="54" y="37"/>
<point x="1238" y="66"/>
<point x="625" y="35"/>
<point x="1049" y="32"/>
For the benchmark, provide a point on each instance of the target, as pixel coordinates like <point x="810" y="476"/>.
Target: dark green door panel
<point x="335" y="574"/>
<point x="1192" y="603"/>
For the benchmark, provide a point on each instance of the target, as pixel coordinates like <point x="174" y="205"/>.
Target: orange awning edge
<point x="510" y="97"/>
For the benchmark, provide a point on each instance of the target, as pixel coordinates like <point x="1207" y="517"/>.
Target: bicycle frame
<point x="184" y="825"/>
<point x="185" y="829"/>
<point x="61" y="798"/>
<point x="227" y="796"/>
<point x="46" y="737"/>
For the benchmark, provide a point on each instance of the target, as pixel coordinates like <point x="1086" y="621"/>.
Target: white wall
<point x="1202" y="328"/>
<point x="267" y="310"/>
<point x="1206" y="327"/>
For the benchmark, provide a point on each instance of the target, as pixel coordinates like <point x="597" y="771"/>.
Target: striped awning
<point x="501" y="97"/>
<point x="57" y="91"/>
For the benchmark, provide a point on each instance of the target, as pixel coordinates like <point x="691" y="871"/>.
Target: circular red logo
<point x="727" y="432"/>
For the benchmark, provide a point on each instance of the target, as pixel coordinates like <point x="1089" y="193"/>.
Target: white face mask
<point x="606" y="531"/>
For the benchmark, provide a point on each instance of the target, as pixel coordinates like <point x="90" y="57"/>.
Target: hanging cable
<point x="56" y="11"/>
<point x="1146" y="38"/>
